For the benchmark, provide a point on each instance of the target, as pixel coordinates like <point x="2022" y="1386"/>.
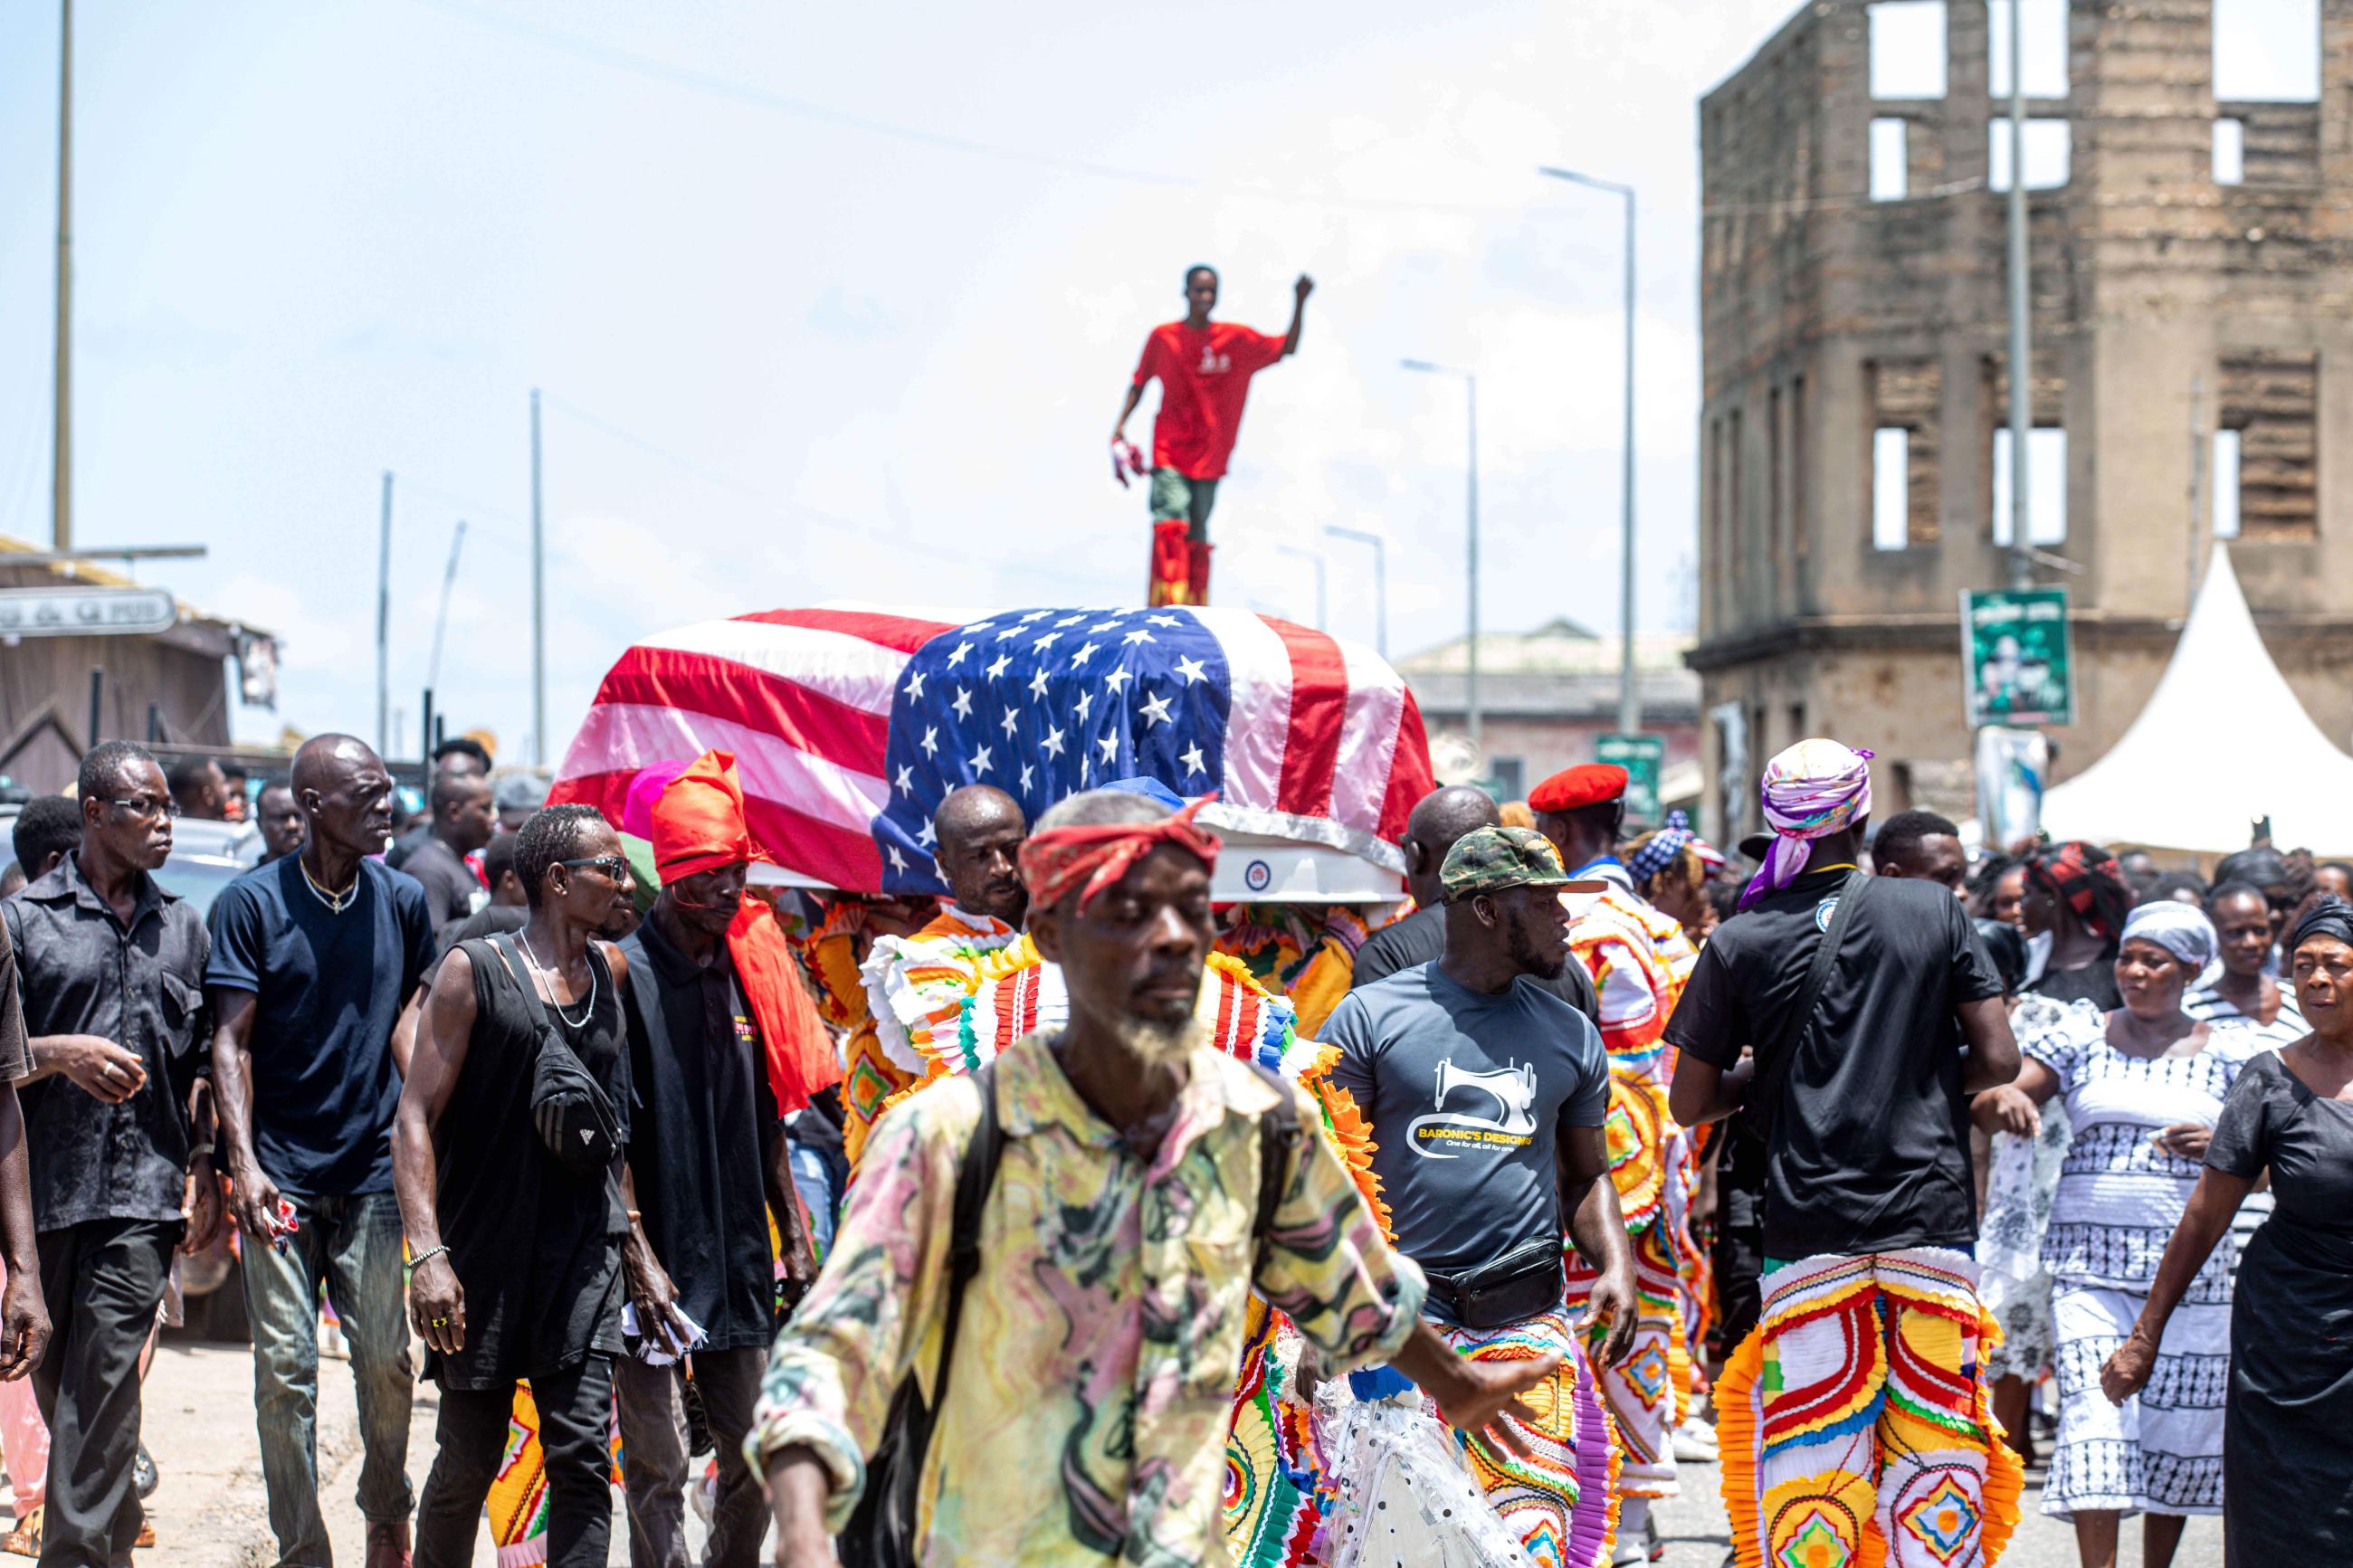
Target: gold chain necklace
<point x="336" y="902"/>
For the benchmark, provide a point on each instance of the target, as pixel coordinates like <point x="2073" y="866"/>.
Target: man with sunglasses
<point x="113" y="970"/>
<point x="708" y="1169"/>
<point x="315" y="956"/>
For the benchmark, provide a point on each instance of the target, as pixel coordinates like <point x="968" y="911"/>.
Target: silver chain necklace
<point x="587" y="1013"/>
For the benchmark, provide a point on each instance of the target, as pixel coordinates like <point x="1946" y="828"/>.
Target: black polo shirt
<point x="141" y="985"/>
<point x="1869" y="1149"/>
<point x="698" y="1138"/>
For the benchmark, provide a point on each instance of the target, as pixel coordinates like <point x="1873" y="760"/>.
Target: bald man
<point x="1438" y="819"/>
<point x="979" y="831"/>
<point x="916" y="985"/>
<point x="313" y="958"/>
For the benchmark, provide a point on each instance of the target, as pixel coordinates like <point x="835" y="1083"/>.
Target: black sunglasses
<point x="613" y="866"/>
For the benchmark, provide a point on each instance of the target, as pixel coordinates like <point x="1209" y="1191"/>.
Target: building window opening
<point x="1889" y="175"/>
<point x="2230" y="151"/>
<point x="2042" y="42"/>
<point x="2226" y="484"/>
<point x="1890" y="487"/>
<point x="2268" y="408"/>
<point x="2046" y="485"/>
<point x="2267" y="51"/>
<point x="1907" y="48"/>
<point x="2047" y="149"/>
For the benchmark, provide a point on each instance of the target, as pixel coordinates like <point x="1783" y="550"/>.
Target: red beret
<point x="1587" y="783"/>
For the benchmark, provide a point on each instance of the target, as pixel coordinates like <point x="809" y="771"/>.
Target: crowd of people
<point x="1871" y="1174"/>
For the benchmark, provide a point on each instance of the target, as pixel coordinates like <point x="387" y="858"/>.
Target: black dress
<point x="537" y="1248"/>
<point x="2287" y="1465"/>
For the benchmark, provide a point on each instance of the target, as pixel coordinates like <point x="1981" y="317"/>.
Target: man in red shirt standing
<point x="1205" y="369"/>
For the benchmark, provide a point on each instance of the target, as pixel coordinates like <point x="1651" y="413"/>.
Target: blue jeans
<point x="354" y="1244"/>
<point x="820" y="1189"/>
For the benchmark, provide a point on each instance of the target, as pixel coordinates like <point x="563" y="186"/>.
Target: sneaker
<point x="1694" y="1442"/>
<point x="1651" y="1538"/>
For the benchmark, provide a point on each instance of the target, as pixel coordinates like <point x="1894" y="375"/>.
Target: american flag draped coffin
<point x="849" y="725"/>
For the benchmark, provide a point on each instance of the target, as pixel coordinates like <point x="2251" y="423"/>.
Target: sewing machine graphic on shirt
<point x="1443" y="1134"/>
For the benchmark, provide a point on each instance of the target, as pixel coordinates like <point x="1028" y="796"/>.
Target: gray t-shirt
<point x="1465" y="1091"/>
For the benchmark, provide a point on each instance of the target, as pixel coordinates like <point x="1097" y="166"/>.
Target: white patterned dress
<point x="2021" y="1181"/>
<point x="2118" y="1199"/>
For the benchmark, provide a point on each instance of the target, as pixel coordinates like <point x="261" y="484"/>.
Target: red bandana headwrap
<point x="2087" y="879"/>
<point x="699" y="826"/>
<point x="1092" y="857"/>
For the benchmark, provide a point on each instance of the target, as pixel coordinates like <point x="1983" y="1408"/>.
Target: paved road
<point x="210" y="1511"/>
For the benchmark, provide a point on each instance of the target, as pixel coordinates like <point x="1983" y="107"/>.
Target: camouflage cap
<point x="1489" y="859"/>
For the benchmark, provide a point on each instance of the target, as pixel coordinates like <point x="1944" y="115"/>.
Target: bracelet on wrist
<point x="427" y="1255"/>
<point x="200" y="1152"/>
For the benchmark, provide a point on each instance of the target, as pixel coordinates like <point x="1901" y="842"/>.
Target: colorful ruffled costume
<point x="1639" y="961"/>
<point x="1305" y="952"/>
<point x="1855" y="1425"/>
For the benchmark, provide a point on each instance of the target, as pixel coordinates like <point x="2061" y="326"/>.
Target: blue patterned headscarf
<point x="1659" y="851"/>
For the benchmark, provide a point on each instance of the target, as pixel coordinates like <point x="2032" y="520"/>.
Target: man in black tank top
<point x="515" y="1250"/>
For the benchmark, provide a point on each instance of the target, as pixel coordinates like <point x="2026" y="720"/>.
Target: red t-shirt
<point x="1204" y="377"/>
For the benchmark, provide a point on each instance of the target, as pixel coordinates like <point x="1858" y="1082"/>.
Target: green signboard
<point x="2017" y="659"/>
<point x="1642" y="756"/>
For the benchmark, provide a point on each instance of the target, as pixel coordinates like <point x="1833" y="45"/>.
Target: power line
<point x="761" y="98"/>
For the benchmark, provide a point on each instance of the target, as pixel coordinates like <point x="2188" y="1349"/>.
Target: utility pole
<point x="2021" y="367"/>
<point x="1380" y="579"/>
<point x="538" y="603"/>
<point x="61" y="415"/>
<point x="1630" y="698"/>
<point x="384" y="623"/>
<point x="441" y="621"/>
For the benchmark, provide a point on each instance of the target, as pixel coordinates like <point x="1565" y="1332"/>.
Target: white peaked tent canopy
<point x="2223" y="742"/>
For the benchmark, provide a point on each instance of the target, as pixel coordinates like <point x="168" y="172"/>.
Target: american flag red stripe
<point x="1319" y="702"/>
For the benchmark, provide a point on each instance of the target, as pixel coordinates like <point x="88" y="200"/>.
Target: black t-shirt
<point x="1869" y="1150"/>
<point x="328" y="988"/>
<point x="701" y="1138"/>
<point x="452" y="891"/>
<point x="1421" y="936"/>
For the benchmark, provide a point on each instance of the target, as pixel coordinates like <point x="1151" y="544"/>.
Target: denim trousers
<point x="352" y="1245"/>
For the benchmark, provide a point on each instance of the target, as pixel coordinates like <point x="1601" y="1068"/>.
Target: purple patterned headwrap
<point x="1810" y="791"/>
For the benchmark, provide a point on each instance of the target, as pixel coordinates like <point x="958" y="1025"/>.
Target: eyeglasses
<point x="149" y="808"/>
<point x="613" y="866"/>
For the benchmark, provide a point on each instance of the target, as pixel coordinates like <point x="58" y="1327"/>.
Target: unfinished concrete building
<point x="2192" y="347"/>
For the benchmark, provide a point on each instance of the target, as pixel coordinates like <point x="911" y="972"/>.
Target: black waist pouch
<point x="1523" y="1283"/>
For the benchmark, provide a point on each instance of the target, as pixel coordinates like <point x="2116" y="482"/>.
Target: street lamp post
<point x="1470" y="546"/>
<point x="1380" y="579"/>
<point x="1629" y="701"/>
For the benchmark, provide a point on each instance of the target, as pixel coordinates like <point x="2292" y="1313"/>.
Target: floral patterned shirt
<point x="1094" y="1381"/>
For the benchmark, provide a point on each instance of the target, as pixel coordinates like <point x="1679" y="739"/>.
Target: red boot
<point x="1197" y="571"/>
<point x="1167" y="584"/>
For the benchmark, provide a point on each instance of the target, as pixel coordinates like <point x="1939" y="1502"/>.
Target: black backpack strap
<point x="1278" y="1135"/>
<point x="1766" y="1088"/>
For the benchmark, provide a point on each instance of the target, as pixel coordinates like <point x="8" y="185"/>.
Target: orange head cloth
<point x="699" y="826"/>
<point x="1092" y="857"/>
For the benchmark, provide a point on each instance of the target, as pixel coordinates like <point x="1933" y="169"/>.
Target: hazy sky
<point x="837" y="302"/>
